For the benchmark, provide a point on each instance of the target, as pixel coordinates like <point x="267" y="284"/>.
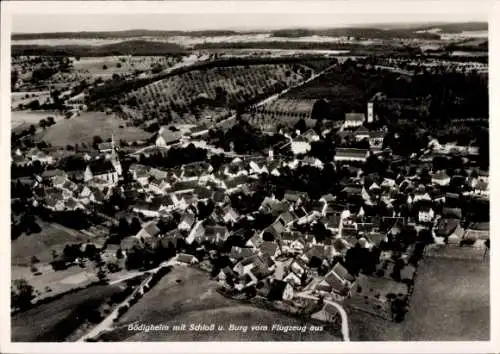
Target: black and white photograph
<point x="247" y="176"/>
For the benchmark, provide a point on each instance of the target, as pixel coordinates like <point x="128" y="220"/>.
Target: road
<point x="107" y="323"/>
<point x="232" y="118"/>
<point x="345" y="320"/>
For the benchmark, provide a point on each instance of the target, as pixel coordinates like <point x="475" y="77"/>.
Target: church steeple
<point x="115" y="159"/>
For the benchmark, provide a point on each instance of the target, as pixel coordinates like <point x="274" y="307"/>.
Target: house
<point x="481" y="188"/>
<point x="49" y="176"/>
<point x="300" y="145"/>
<point x="234" y="183"/>
<point x="187" y="222"/>
<point x="185" y="200"/>
<point x="310" y="135"/>
<point x="338" y="280"/>
<point x="425" y="214"/>
<point x="167" y="137"/>
<point x="202" y="192"/>
<point x="361" y="133"/>
<point x="238" y="253"/>
<point x="376" y="139"/>
<point x="455" y="213"/>
<point x="351" y="154"/>
<point x="321" y="252"/>
<point x="440" y="178"/>
<point x="259" y="266"/>
<point x="293" y="197"/>
<point x="195" y="233"/>
<point x="184" y="258"/>
<point x="229" y="215"/>
<point x="298" y="267"/>
<point x="54" y="200"/>
<point x="149" y="210"/>
<point x="328" y="313"/>
<point x="215" y="234"/>
<point x="42" y="157"/>
<point x="183" y="187"/>
<point x="149" y="230"/>
<point x="255" y="241"/>
<point x="270" y="248"/>
<point x="129" y="243"/>
<point x="102" y="170"/>
<point x="353" y="120"/>
<point x="220" y="197"/>
<point x="280" y="290"/>
<point x="292" y="242"/>
<point x="105" y="147"/>
<point x="225" y="274"/>
<point x="293" y="279"/>
<point x="157" y="186"/>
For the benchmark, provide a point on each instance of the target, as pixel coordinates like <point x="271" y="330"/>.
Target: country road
<point x="345" y="320"/>
<point x="107" y="323"/>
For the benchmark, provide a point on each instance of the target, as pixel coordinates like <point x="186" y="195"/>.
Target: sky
<point x="202" y="17"/>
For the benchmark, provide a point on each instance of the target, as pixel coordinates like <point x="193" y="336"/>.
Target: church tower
<point x="115" y="159"/>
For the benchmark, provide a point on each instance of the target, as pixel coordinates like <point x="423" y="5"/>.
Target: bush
<point x="122" y="309"/>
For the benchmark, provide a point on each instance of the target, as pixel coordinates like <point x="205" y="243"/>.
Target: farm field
<point x="188" y="296"/>
<point x="52" y="237"/>
<point x="450" y="303"/>
<point x="107" y="66"/>
<point x="55" y="320"/>
<point x="82" y="129"/>
<point x="41" y="244"/>
<point x="23" y="119"/>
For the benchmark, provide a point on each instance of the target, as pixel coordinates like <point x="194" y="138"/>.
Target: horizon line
<point x="375" y="25"/>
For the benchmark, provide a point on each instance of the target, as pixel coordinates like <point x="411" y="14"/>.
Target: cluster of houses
<point x="284" y="259"/>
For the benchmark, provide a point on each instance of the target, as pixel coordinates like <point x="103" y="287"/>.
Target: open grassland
<point x="451" y="302"/>
<point x="82" y="129"/>
<point x="187" y="296"/>
<point x="55" y="320"/>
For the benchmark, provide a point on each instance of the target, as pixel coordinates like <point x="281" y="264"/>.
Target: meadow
<point x="451" y="302"/>
<point x="23" y="119"/>
<point x="188" y="296"/>
<point x="82" y="129"/>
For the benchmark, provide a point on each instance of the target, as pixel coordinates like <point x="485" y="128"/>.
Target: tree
<point x="135" y="226"/>
<point x="104" y="67"/>
<point x="96" y="140"/>
<point x="22" y="293"/>
<point x="50" y="121"/>
<point x="32" y="129"/>
<point x="487" y="247"/>
<point x="118" y="65"/>
<point x="101" y="275"/>
<point x="43" y="123"/>
<point x="14" y="77"/>
<point x="301" y="125"/>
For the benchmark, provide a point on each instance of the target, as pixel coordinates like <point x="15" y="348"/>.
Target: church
<point x="107" y="169"/>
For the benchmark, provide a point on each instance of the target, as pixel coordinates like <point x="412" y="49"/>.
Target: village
<point x="231" y="214"/>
